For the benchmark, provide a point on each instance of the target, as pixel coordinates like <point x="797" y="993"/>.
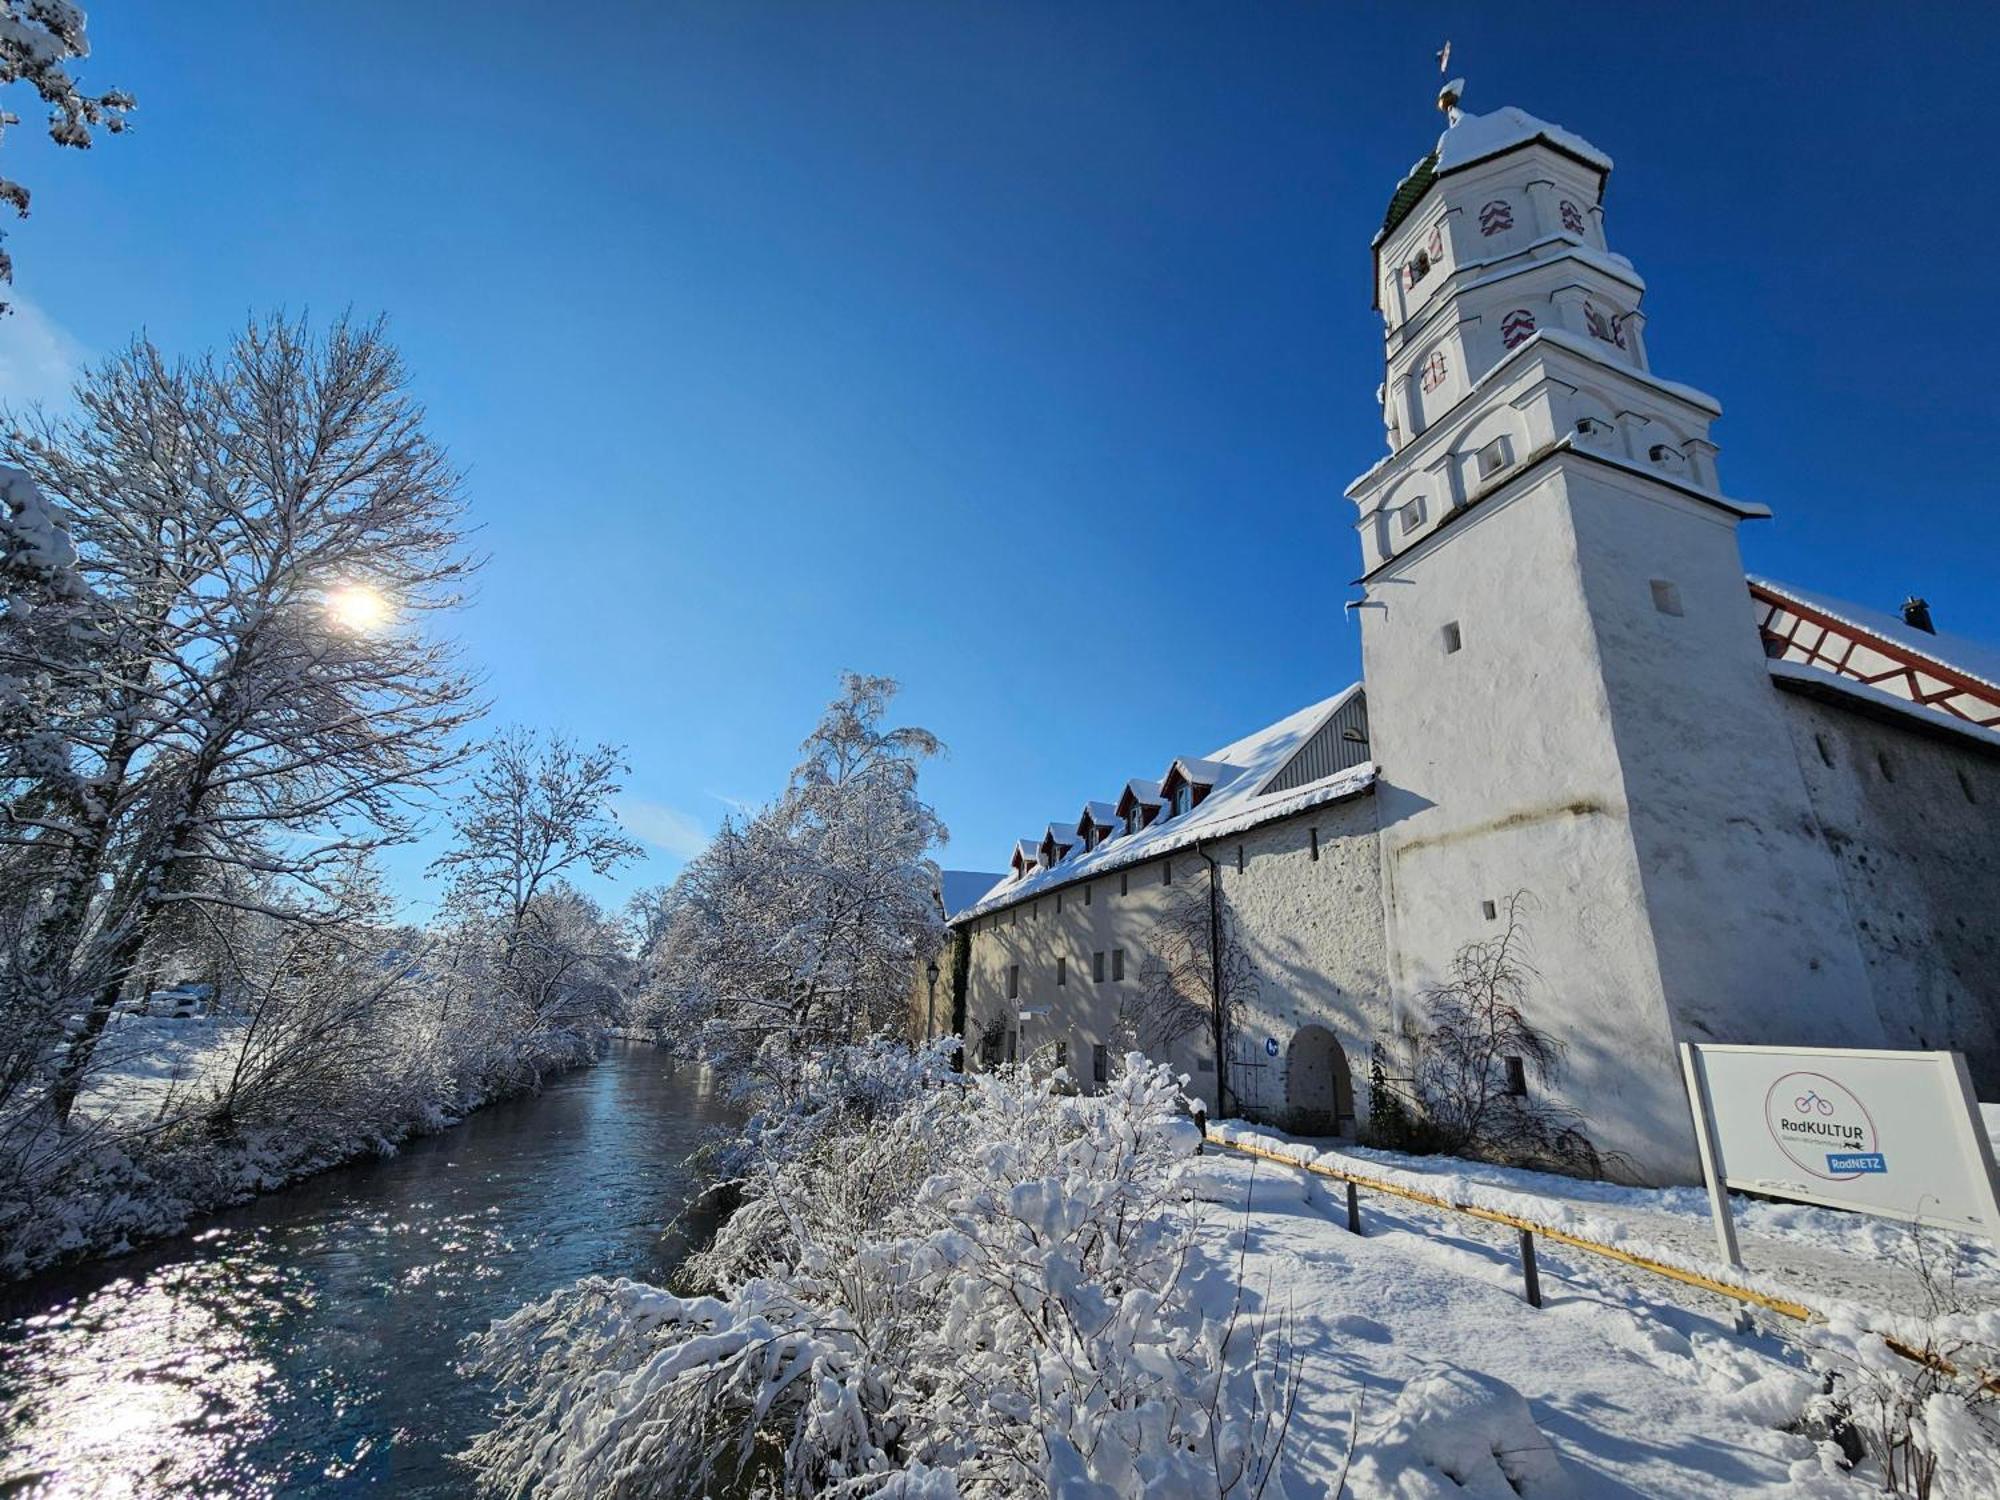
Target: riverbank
<point x="142" y="1161"/>
<point x="306" y="1343"/>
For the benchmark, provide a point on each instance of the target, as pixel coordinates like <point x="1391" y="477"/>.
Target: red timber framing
<point x="1794" y="630"/>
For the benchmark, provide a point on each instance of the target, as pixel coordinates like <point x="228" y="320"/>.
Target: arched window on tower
<point x="1496" y="217"/>
<point x="1433" y="371"/>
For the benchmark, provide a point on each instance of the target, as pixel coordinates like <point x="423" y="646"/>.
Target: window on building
<point x="1013" y="1045"/>
<point x="1489" y="910"/>
<point x="1100" y="1063"/>
<point x="1517" y="327"/>
<point x="1132" y="820"/>
<point x="1417" y="269"/>
<point x="1062" y="971"/>
<point x="1496" y="217"/>
<point x="1014" y="917"/>
<point x="1117" y="963"/>
<point x="1239" y="859"/>
<point x="1433" y="371"/>
<point x="1013" y="981"/>
<point x="1313" y="841"/>
<point x="1086" y="895"/>
<point x="1097" y="967"/>
<point x="1517" y="1076"/>
<point x="1166" y="872"/>
<point x="1592" y="427"/>
<point x="1183" y="798"/>
<point x="1411" y="514"/>
<point x="1124" y="882"/>
<point x="1492" y="458"/>
<point x="1062" y="1054"/>
<point x="1452" y="639"/>
<point x="1666" y="597"/>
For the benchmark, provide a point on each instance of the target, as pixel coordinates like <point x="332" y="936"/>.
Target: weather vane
<point x="1453" y="91"/>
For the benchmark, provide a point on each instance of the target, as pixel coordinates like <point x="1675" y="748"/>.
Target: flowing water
<point x="306" y="1344"/>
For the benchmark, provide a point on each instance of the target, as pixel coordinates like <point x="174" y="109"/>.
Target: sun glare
<point x="358" y="607"/>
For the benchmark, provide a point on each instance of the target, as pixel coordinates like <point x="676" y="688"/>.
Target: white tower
<point x="1566" y="689"/>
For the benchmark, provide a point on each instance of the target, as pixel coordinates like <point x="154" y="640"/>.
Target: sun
<point x="358" y="607"/>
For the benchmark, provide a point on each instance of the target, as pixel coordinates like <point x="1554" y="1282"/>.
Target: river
<point x="306" y="1344"/>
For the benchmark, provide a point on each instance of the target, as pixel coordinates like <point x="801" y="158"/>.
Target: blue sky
<point x="1021" y="351"/>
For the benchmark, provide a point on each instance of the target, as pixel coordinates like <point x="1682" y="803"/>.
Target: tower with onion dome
<point x="1567" y="693"/>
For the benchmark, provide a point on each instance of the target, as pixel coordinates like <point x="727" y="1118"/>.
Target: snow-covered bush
<point x="1927" y="1413"/>
<point x="997" y="1289"/>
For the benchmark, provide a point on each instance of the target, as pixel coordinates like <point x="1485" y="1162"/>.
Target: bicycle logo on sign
<point x="1807" y="1102"/>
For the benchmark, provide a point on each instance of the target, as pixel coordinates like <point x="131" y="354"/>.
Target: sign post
<point x="1896" y="1134"/>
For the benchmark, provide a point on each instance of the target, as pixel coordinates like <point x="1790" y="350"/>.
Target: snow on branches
<point x="804" y="926"/>
<point x="37" y="40"/>
<point x="997" y="1288"/>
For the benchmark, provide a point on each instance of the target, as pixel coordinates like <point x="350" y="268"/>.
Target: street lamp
<point x="930" y="1011"/>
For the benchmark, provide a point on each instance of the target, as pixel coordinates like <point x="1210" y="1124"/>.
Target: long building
<point x="1731" y="809"/>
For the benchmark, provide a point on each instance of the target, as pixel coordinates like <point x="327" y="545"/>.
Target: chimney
<point x="1917" y="612"/>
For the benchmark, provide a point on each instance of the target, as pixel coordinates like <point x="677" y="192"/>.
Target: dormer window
<point x="1183" y="798"/>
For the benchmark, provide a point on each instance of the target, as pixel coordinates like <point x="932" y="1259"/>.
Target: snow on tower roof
<point x="1473" y="138"/>
<point x="1234" y="805"/>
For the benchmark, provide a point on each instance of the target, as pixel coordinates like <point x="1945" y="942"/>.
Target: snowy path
<point x="1641" y="1396"/>
<point x="1821" y="1253"/>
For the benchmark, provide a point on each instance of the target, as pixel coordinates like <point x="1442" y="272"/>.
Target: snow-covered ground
<point x="1637" y="1394"/>
<point x="1642" y="1384"/>
<point x="148" y="1065"/>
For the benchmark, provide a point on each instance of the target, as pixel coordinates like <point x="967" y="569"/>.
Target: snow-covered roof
<point x="1062" y="834"/>
<point x="958" y="889"/>
<point x="1233" y="805"/>
<point x="1472" y="138"/>
<point x="1199" y="772"/>
<point x="1103" y="814"/>
<point x="1138" y="789"/>
<point x="1961" y="654"/>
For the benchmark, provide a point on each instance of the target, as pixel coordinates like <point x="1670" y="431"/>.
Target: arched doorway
<point x="1319" y="1085"/>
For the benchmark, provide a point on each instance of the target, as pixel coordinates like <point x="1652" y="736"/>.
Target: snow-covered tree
<point x="804" y="925"/>
<point x="38" y="39"/>
<point x="528" y="949"/>
<point x="247" y="689"/>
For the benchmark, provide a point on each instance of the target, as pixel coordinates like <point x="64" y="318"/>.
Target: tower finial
<point x="1452" y="92"/>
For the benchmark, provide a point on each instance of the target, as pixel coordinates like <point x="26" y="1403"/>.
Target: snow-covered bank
<point x="143" y="1161"/>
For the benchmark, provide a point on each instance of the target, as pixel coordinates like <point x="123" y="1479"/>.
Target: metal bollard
<point x="1353" y="1210"/>
<point x="1528" y="1272"/>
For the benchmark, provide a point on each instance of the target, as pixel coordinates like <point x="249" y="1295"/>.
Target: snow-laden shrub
<point x="996" y="1289"/>
<point x="1927" y="1414"/>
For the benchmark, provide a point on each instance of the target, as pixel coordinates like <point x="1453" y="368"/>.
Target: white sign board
<point x="1891" y="1133"/>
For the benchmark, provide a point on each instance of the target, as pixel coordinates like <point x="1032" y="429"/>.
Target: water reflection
<point x="305" y="1344"/>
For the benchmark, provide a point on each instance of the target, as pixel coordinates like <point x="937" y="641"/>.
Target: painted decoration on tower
<point x="1572" y="217"/>
<point x="1607" y="326"/>
<point x="1433" y="371"/>
<point x="1517" y="327"/>
<point x="1496" y="217"/>
<point x="1436" y="243"/>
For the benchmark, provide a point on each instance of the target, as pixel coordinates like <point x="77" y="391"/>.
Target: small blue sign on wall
<point x="1856" y="1161"/>
<point x="1270" y="1046"/>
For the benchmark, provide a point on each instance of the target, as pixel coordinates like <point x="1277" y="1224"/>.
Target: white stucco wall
<point x="1913" y="823"/>
<point x="1312" y="930"/>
